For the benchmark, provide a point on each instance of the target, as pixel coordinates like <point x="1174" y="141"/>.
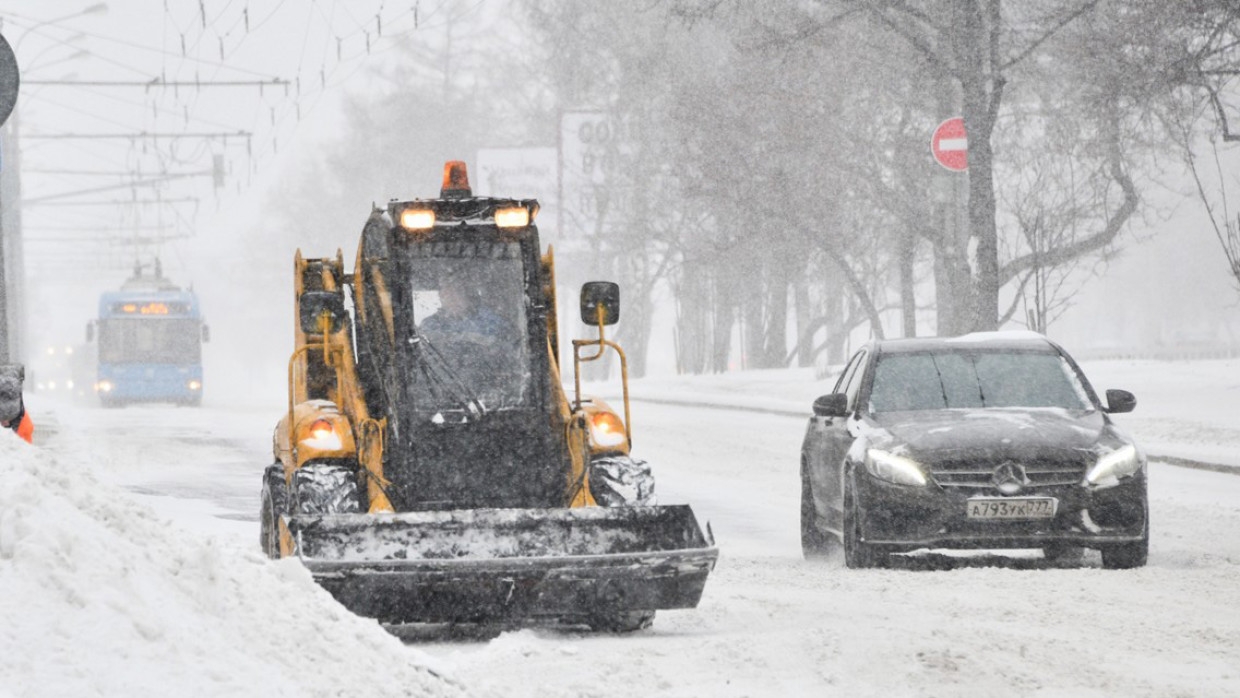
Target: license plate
<point x="1012" y="507"/>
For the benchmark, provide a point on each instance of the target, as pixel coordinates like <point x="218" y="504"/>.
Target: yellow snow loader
<point x="432" y="467"/>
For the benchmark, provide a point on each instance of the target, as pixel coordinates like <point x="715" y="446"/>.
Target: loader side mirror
<point x="314" y="304"/>
<point x="90" y="331"/>
<point x="596" y="295"/>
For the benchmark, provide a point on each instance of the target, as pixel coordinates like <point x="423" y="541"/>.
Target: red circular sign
<point x="950" y="145"/>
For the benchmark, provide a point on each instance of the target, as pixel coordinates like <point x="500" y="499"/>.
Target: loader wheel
<point x="326" y="488"/>
<point x="274" y="498"/>
<point x="622" y="622"/>
<point x="622" y="481"/>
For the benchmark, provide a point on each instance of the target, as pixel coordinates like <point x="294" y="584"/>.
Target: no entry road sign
<point x="950" y="145"/>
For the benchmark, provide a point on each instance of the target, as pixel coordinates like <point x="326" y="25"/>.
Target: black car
<point x="990" y="440"/>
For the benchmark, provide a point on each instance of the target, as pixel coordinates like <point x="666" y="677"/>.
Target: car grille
<point x="979" y="474"/>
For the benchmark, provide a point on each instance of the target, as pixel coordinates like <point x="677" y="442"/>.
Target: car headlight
<point x="893" y="468"/>
<point x="1113" y="466"/>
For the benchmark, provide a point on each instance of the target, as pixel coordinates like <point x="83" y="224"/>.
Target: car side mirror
<point x="1120" y="401"/>
<point x="314" y="304"/>
<point x="833" y="405"/>
<point x="604" y="295"/>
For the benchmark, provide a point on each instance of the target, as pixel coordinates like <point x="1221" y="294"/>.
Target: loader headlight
<point x="514" y="217"/>
<point x="417" y="219"/>
<point x="323" y="436"/>
<point x="893" y="468"/>
<point x="606" y="429"/>
<point x="1113" y="466"/>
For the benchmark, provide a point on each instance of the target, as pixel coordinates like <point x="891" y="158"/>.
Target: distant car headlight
<point x="893" y="468"/>
<point x="1114" y="466"/>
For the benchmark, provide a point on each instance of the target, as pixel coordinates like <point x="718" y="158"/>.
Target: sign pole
<point x="10" y="81"/>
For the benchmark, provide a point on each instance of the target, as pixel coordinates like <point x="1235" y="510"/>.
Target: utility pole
<point x="10" y="209"/>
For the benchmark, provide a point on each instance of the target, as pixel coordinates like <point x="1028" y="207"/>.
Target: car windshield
<point x="469" y="311"/>
<point x="978" y="379"/>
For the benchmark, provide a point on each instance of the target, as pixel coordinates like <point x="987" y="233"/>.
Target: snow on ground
<point x="102" y="596"/>
<point x="129" y="567"/>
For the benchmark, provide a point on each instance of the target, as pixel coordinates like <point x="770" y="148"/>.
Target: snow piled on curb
<point x="156" y="612"/>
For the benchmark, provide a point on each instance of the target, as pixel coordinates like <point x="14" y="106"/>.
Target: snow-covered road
<point x="769" y="623"/>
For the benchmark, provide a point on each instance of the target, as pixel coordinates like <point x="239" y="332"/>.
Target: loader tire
<point x="622" y="481"/>
<point x="326" y="488"/>
<point x="274" y="502"/>
<point x="622" y="622"/>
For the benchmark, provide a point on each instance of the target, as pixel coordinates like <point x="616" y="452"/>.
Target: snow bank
<point x="153" y="611"/>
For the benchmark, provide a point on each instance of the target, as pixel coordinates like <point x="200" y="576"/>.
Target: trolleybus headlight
<point x="104" y="386"/>
<point x="194" y="385"/>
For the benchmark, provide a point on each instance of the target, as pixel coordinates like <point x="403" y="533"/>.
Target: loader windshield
<point x="469" y="311"/>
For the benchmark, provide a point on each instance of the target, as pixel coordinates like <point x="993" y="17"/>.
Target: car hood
<point x="996" y="432"/>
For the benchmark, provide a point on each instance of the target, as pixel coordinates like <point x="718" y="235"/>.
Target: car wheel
<point x="815" y="545"/>
<point x="273" y="502"/>
<point x="1126" y="556"/>
<point x="857" y="554"/>
<point x="1062" y="553"/>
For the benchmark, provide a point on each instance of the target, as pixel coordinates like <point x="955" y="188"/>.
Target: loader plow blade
<point x="480" y="565"/>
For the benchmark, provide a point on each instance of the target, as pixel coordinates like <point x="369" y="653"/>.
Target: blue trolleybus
<point x="150" y="336"/>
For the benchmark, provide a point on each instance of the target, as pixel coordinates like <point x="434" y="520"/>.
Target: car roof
<point x="1023" y="340"/>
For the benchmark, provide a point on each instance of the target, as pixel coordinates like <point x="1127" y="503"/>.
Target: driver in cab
<point x="463" y="315"/>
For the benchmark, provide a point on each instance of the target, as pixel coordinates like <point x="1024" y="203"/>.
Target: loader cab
<point x="469" y="399"/>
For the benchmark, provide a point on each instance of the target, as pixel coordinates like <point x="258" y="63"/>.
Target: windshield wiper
<point x="439" y="372"/>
